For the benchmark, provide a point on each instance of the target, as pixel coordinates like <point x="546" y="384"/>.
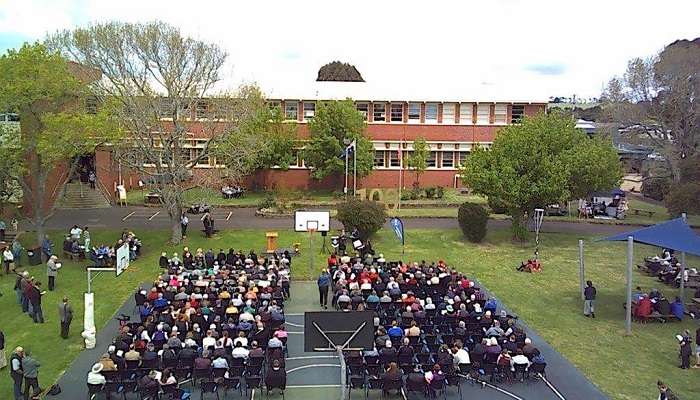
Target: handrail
<point x="61" y="186"/>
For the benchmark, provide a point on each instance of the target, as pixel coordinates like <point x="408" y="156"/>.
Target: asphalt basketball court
<point x="316" y="375"/>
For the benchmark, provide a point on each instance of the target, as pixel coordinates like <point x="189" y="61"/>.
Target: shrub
<point x="683" y="198"/>
<point x="367" y="216"/>
<point x="656" y="188"/>
<point x="497" y="206"/>
<point x="472" y="219"/>
<point x="415" y="194"/>
<point x="439" y="192"/>
<point x="430" y="192"/>
<point x="268" y="201"/>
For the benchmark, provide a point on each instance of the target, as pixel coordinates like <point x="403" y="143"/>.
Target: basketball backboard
<point x="312" y="221"/>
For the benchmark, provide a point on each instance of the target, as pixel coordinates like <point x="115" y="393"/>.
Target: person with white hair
<point x="52" y="267"/>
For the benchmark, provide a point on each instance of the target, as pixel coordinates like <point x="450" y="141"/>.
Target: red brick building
<point x="451" y="125"/>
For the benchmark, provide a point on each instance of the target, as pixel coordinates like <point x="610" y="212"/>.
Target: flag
<point x="397" y="226"/>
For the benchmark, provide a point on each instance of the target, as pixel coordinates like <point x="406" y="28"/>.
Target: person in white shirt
<point x="208" y="341"/>
<point x="7" y="259"/>
<point x="459" y="355"/>
<point x="241" y="339"/>
<point x="95" y="376"/>
<point x="519" y="359"/>
<point x="239" y="351"/>
<point x="75" y="232"/>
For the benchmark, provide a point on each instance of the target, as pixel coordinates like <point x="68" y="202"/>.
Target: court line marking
<point x="154" y="215"/>
<point x="295" y="333"/>
<point x="293" y="324"/>
<point x="311" y="386"/>
<point x="308" y="357"/>
<point x="314" y="366"/>
<point x="507" y="393"/>
<point x="551" y="386"/>
<point x="293" y="315"/>
<point x="128" y="215"/>
<point x="230" y="213"/>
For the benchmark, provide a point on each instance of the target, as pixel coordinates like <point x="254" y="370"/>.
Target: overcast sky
<point x="515" y="47"/>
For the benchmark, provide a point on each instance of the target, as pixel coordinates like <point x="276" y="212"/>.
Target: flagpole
<point x="398" y="207"/>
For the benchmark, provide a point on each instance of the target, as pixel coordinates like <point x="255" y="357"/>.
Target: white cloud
<point x="451" y="46"/>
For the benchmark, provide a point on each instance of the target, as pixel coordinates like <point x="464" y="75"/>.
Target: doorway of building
<point x="85" y="164"/>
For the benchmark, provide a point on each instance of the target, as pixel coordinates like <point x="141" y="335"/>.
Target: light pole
<point x="539" y="216"/>
<point x="350" y="144"/>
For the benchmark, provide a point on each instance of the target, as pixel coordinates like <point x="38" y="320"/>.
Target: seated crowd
<point x="433" y="325"/>
<point x="218" y="321"/>
<point x="667" y="268"/>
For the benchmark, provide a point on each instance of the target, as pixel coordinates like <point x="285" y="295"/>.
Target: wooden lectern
<point x="271" y="241"/>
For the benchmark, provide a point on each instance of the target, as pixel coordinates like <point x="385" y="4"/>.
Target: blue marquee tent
<point x="674" y="234"/>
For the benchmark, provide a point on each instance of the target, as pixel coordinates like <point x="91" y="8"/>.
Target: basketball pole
<point x="311" y="252"/>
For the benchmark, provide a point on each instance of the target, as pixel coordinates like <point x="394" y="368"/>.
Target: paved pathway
<point x="244" y="218"/>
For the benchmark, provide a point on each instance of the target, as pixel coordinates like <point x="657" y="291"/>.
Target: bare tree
<point x="657" y="101"/>
<point x="159" y="83"/>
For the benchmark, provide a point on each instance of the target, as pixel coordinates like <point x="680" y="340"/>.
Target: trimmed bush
<point x="683" y="198"/>
<point x="472" y="219"/>
<point x="497" y="206"/>
<point x="430" y="192"/>
<point x="439" y="192"/>
<point x="367" y="216"/>
<point x="656" y="188"/>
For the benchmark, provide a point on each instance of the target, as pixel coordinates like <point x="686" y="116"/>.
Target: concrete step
<point x="77" y="196"/>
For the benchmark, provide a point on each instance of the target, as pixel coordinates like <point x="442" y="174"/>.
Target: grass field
<point x="623" y="367"/>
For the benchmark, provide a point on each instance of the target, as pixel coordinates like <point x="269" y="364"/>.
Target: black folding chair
<point x="453" y="380"/>
<point x="94" y="390"/>
<point x="252" y="382"/>
<point x="233" y="383"/>
<point x="520" y="370"/>
<point x="209" y="387"/>
<point x="117" y="388"/>
<point x="357" y="382"/>
<point x="436" y="387"/>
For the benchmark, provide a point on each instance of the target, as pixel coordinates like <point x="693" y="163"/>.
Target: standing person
<point x="8" y="259"/>
<point x="92" y="178"/>
<point x="206" y="220"/>
<point x="65" y="312"/>
<point x="47" y="247"/>
<point x="685" y="352"/>
<point x="86" y="237"/>
<point x="52" y="268"/>
<point x="184" y="221"/>
<point x="16" y="371"/>
<point x="19" y="287"/>
<point x="324" y="283"/>
<point x="588" y="304"/>
<point x="31" y="376"/>
<point x="35" y="294"/>
<point x="3" y="358"/>
<point x="665" y="392"/>
<point x="3" y="227"/>
<point x="17" y="252"/>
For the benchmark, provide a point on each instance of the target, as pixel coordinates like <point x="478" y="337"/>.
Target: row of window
<point x="436" y="159"/>
<point x="417" y="112"/>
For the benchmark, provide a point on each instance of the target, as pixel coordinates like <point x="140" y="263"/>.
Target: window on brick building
<point x="379" y="112"/>
<point x="500" y="114"/>
<point x="431" y="112"/>
<point x="448" y="159"/>
<point x="363" y="108"/>
<point x="483" y="113"/>
<point x="202" y="108"/>
<point x="516" y="114"/>
<point x="466" y="111"/>
<point x="432" y="159"/>
<point x="309" y="110"/>
<point x="273" y="104"/>
<point x="291" y="110"/>
<point x="394" y="160"/>
<point x="448" y="113"/>
<point x="414" y="111"/>
<point x="379" y="161"/>
<point x="463" y="156"/>
<point x="396" y="112"/>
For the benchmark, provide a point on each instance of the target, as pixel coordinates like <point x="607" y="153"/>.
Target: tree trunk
<point x="518" y="225"/>
<point x="176" y="231"/>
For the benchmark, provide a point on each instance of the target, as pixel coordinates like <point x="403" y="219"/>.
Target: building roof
<point x="374" y="92"/>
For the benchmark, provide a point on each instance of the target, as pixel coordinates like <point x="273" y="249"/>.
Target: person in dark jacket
<point x="35" y="294"/>
<point x="324" y="283"/>
<point x="65" y="313"/>
<point x="276" y="376"/>
<point x="589" y="294"/>
<point x="30" y="366"/>
<point x="665" y="392"/>
<point x="17" y="372"/>
<point x="685" y="353"/>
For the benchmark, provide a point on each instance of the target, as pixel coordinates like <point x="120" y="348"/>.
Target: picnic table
<point x="696" y="300"/>
<point x="153" y="198"/>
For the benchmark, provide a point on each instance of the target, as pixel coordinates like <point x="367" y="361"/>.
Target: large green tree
<point x="49" y="94"/>
<point x="334" y="123"/>
<point x="418" y="160"/>
<point x="543" y="160"/>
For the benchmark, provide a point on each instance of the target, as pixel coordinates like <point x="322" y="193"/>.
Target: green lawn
<point x="549" y="301"/>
